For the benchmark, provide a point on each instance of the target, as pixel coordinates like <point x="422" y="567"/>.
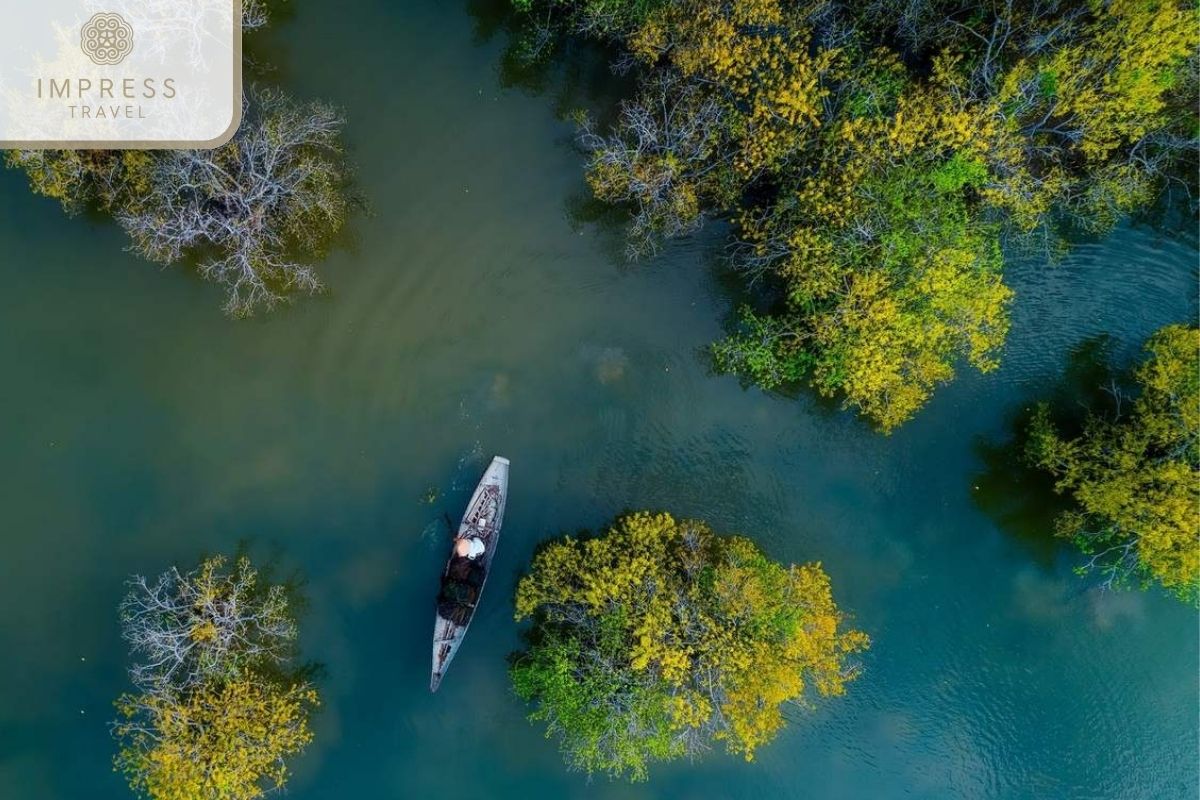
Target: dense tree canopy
<point x="1135" y="474"/>
<point x="661" y="637"/>
<point x="219" y="705"/>
<point x="872" y="153"/>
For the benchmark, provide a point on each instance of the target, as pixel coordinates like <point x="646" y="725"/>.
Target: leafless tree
<point x="254" y="210"/>
<point x="666" y="144"/>
<point x="255" y="14"/>
<point x="185" y="627"/>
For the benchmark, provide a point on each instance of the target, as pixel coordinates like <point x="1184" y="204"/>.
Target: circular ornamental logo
<point x="106" y="38"/>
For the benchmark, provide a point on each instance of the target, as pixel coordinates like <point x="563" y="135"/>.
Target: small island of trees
<point x="661" y="638"/>
<point x="1134" y="473"/>
<point x="220" y="704"/>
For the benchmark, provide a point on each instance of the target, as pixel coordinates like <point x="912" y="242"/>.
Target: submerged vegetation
<point x="219" y="704"/>
<point x="873" y="155"/>
<point x="1134" y="474"/>
<point x="251" y="215"/>
<point x="661" y="637"/>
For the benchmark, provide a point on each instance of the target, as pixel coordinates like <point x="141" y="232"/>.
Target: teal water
<point x="475" y="314"/>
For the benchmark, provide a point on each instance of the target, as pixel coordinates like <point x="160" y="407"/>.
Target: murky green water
<point x="475" y="315"/>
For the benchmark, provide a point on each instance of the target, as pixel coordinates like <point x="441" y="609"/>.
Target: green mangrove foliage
<point x="660" y="637"/>
<point x="252" y="214"/>
<point x="872" y="154"/>
<point x="219" y="704"/>
<point x="1135" y="475"/>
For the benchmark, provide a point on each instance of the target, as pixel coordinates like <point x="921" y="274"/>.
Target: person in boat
<point x="470" y="547"/>
<point x="464" y="576"/>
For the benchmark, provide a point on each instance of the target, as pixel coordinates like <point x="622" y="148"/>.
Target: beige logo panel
<point x="120" y="74"/>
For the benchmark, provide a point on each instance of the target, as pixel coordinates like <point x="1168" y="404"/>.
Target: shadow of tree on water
<point x="543" y="57"/>
<point x="269" y="559"/>
<point x="1019" y="497"/>
<point x="609" y="222"/>
<point x="767" y="297"/>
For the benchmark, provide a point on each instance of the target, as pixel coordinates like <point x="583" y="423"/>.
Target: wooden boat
<point x="463" y="579"/>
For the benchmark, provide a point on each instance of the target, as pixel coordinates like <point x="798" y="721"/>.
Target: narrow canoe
<point x="482" y="519"/>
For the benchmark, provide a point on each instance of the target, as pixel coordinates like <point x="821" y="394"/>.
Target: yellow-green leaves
<point x="661" y="636"/>
<point x="219" y="705"/>
<point x="1136" y="478"/>
<point x="870" y="156"/>
<point x="1112" y="83"/>
<point x="223" y="741"/>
